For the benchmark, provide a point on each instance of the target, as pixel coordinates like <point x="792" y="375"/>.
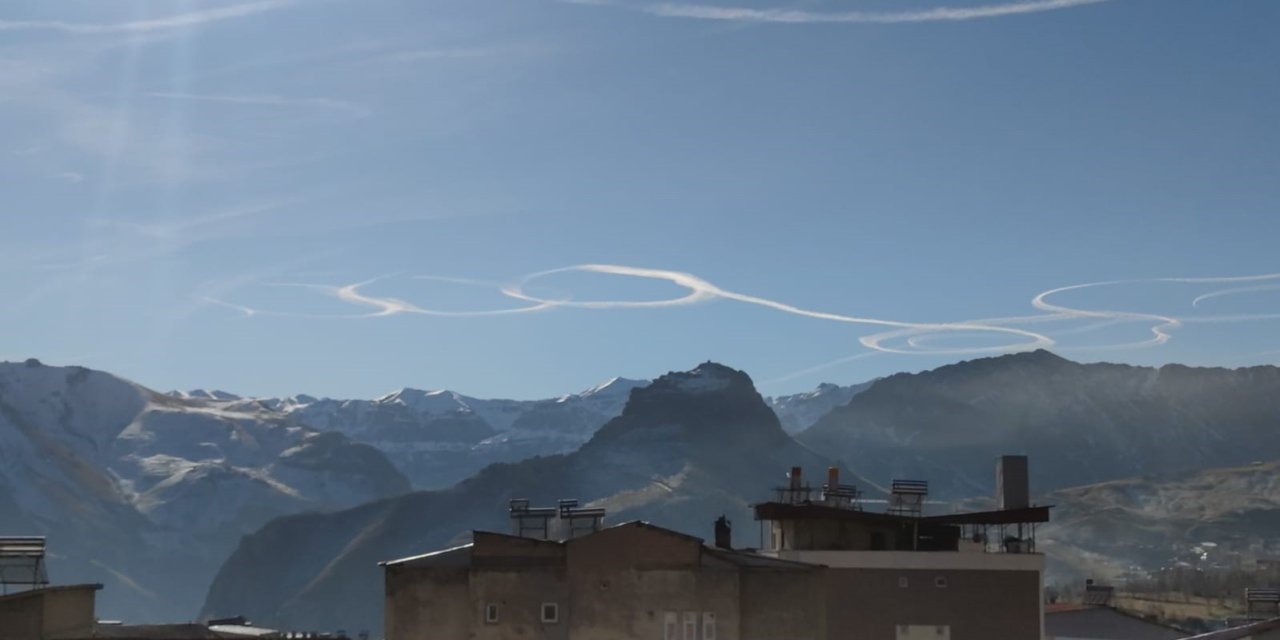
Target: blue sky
<point x="282" y="196"/>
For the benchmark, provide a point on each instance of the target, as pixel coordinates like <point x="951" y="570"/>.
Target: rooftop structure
<point x="830" y="569"/>
<point x="22" y="563"/>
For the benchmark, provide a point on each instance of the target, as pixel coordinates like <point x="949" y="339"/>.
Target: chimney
<point x="724" y="533"/>
<point x="795" y="478"/>
<point x="1012" y="485"/>
<point x="833" y="478"/>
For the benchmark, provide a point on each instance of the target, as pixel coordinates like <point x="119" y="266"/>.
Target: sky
<point x="522" y="198"/>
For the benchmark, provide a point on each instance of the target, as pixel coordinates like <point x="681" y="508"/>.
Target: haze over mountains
<point x="129" y="483"/>
<point x="439" y="437"/>
<point x="1080" y="423"/>
<point x="691" y="446"/>
<point x="147" y="493"/>
<point x="686" y="448"/>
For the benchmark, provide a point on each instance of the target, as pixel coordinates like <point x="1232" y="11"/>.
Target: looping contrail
<point x="901" y="337"/>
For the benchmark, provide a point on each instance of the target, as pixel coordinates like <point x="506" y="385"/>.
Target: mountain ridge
<point x="689" y="446"/>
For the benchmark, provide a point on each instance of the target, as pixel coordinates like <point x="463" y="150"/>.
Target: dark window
<point x="550" y="612"/>
<point x="491" y="613"/>
<point x="877" y="541"/>
<point x="940" y="582"/>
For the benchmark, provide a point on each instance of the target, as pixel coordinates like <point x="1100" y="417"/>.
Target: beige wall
<point x="783" y="605"/>
<point x="423" y="603"/>
<point x="519" y="595"/>
<point x="49" y="614"/>
<point x="869" y="604"/>
<point x="626" y="579"/>
<point x="70" y="613"/>
<point x="835" y="535"/>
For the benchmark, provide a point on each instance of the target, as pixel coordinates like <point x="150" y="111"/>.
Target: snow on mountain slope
<point x="802" y="410"/>
<point x="439" y="437"/>
<point x="687" y="447"/>
<point x="127" y="482"/>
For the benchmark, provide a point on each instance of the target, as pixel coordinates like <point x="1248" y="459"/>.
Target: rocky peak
<point x="711" y="402"/>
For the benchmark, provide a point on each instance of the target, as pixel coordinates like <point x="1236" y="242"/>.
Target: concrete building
<point x="632" y="580"/>
<point x="49" y="613"/>
<point x="904" y="575"/>
<point x="826" y="568"/>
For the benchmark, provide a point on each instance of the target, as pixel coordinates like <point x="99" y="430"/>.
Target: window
<point x="940" y="582"/>
<point x="691" y="625"/>
<point x="877" y="541"/>
<point x="902" y="582"/>
<point x="708" y="625"/>
<point x="670" y="626"/>
<point x="550" y="612"/>
<point x="491" y="613"/>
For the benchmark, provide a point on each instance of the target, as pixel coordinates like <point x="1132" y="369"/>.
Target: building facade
<point x="630" y="581"/>
<point x="826" y="569"/>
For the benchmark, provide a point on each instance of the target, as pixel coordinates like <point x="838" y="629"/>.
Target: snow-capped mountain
<point x="437" y="438"/>
<point x="688" y="447"/>
<point x="802" y="410"/>
<point x="128" y="483"/>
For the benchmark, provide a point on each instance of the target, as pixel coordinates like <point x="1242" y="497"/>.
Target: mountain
<point x="1215" y="517"/>
<point x="437" y="438"/>
<point x="129" y="484"/>
<point x="686" y="448"/>
<point x="800" y="411"/>
<point x="1080" y="423"/>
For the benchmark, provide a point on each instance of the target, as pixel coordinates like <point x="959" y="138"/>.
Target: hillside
<point x="440" y="437"/>
<point x="1080" y="423"/>
<point x="686" y="448"/>
<point x="129" y="484"/>
<point x="1216" y="518"/>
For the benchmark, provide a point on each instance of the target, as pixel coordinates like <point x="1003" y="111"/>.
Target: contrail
<point x="1234" y="291"/>
<point x="178" y="21"/>
<point x="794" y="16"/>
<point x="384" y="306"/>
<point x="901" y="337"/>
<point x="700" y="290"/>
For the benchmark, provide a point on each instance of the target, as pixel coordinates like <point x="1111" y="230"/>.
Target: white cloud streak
<point x="177" y="21"/>
<point x="795" y="16"/>
<point x="904" y="337"/>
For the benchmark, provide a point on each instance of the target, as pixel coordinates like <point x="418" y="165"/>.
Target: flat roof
<point x="30" y="593"/>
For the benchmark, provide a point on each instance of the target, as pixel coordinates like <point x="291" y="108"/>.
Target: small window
<point x="940" y="582"/>
<point x="550" y="612"/>
<point x="691" y="625"/>
<point x="902" y="582"/>
<point x="708" y="625"/>
<point x="491" y="613"/>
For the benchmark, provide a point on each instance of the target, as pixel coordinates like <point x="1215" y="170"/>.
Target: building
<point x="633" y="580"/>
<point x="827" y="569"/>
<point x="1072" y="621"/>
<point x="49" y="612"/>
<point x="901" y="574"/>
